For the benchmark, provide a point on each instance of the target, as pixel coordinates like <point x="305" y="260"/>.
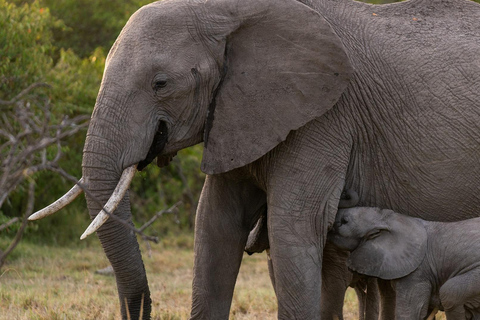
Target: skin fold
<point x="432" y="265"/>
<point x="294" y="102"/>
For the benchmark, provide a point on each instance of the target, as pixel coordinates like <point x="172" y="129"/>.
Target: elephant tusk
<point x="112" y="203"/>
<point x="59" y="204"/>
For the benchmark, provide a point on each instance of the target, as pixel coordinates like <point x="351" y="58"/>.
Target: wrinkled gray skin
<point x="257" y="241"/>
<point x="294" y="103"/>
<point x="336" y="277"/>
<point x="433" y="264"/>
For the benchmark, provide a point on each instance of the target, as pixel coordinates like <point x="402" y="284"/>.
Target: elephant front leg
<point x="296" y="261"/>
<point x="372" y="303"/>
<point x="297" y="231"/>
<point x="387" y="299"/>
<point x="224" y="218"/>
<point x="412" y="298"/>
<point x="335" y="280"/>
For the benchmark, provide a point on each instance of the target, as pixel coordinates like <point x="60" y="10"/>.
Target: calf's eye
<point x="159" y="81"/>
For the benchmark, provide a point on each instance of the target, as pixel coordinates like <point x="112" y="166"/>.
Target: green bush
<point x="26" y="42"/>
<point x="27" y="58"/>
<point x="90" y="23"/>
<point x="36" y="52"/>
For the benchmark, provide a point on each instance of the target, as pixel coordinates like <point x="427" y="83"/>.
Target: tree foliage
<point x="90" y="23"/>
<point x="27" y="135"/>
<point x="64" y="44"/>
<point x="25" y="39"/>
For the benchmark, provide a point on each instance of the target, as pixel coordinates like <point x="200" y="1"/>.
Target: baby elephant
<point x="433" y="265"/>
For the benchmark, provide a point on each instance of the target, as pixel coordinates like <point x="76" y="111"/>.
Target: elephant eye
<point x="159" y="81"/>
<point x="373" y="234"/>
<point x="343" y="220"/>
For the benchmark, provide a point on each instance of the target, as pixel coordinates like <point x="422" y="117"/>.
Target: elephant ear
<point x="284" y="66"/>
<point x="394" y="252"/>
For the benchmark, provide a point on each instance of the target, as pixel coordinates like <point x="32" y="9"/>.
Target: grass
<point x="53" y="283"/>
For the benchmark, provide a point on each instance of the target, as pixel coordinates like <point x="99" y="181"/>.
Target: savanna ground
<point x="60" y="283"/>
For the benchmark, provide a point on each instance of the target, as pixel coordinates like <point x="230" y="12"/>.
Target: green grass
<point x="52" y="283"/>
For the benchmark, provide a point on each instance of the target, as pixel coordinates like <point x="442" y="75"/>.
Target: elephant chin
<point x="164" y="160"/>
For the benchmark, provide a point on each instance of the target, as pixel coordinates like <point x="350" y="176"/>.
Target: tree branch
<point x="159" y="214"/>
<point x="24" y="92"/>
<point x="28" y="212"/>
<point x="26" y="131"/>
<point x="8" y="223"/>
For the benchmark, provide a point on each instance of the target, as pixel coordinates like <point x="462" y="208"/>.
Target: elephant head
<point x="383" y="243"/>
<point x="238" y="76"/>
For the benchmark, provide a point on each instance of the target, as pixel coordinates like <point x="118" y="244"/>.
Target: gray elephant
<point x="436" y="265"/>
<point x="294" y="102"/>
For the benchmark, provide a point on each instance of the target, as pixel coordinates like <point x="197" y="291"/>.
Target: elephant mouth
<point x="158" y="144"/>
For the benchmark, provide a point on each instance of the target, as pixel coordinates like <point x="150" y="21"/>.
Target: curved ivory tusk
<point x="112" y="203"/>
<point x="59" y="204"/>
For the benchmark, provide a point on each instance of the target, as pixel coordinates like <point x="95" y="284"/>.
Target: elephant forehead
<point x="167" y="14"/>
<point x="165" y="34"/>
<point x="151" y="25"/>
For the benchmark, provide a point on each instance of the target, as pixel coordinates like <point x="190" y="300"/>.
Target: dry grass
<point x="60" y="283"/>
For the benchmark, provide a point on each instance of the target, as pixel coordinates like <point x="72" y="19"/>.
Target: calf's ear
<point x="394" y="252"/>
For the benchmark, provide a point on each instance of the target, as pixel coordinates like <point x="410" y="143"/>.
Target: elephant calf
<point x="433" y="265"/>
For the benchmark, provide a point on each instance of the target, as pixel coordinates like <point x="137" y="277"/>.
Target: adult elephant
<point x="293" y="102"/>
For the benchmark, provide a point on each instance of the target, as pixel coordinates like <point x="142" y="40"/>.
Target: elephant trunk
<point x="112" y="203"/>
<point x="102" y="172"/>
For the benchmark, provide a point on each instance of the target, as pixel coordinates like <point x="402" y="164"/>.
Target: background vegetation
<point x="53" y="283"/>
<point x="64" y="44"/>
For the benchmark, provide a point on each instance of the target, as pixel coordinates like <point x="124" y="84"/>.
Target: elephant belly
<point x="434" y="178"/>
